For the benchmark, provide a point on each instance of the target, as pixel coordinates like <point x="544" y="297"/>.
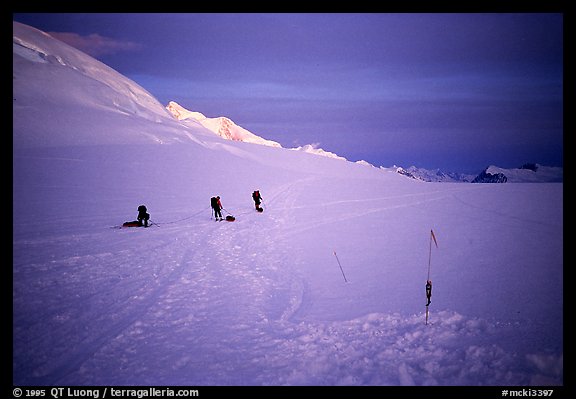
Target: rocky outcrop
<point x="486" y="177"/>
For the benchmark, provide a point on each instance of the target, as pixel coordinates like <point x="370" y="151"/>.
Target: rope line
<point x="179" y="220"/>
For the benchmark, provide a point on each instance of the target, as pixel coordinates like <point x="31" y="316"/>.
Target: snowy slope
<point x="63" y="97"/>
<point x="262" y="300"/>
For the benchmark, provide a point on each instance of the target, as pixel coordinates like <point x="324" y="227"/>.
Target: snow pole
<point x="428" y="281"/>
<point x="342" y="270"/>
<point x="432" y="237"/>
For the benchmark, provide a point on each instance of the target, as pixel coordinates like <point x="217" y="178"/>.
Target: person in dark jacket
<point x="257" y="200"/>
<point x="143" y="216"/>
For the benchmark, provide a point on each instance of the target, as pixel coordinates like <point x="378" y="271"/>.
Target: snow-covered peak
<point x="222" y="126"/>
<point x="365" y="163"/>
<point x="182" y="113"/>
<point x="313" y="149"/>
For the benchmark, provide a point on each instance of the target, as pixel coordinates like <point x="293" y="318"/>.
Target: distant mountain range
<point x="434" y="175"/>
<point x="527" y="173"/>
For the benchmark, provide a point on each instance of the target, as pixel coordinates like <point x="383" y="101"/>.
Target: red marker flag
<point x="434" y="237"/>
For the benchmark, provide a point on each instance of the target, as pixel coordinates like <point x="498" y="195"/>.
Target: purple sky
<point x="452" y="91"/>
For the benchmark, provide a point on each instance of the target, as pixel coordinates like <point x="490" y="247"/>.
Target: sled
<point x="133" y="223"/>
<point x="230" y="218"/>
<point x="260" y="210"/>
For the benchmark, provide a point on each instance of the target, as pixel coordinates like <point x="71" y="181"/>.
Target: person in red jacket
<point x="217" y="207"/>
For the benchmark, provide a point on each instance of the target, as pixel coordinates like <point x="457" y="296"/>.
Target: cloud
<point x="95" y="44"/>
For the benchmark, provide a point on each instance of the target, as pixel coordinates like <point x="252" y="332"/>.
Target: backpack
<point x="142" y="209"/>
<point x="214" y="202"/>
<point x="256" y="195"/>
